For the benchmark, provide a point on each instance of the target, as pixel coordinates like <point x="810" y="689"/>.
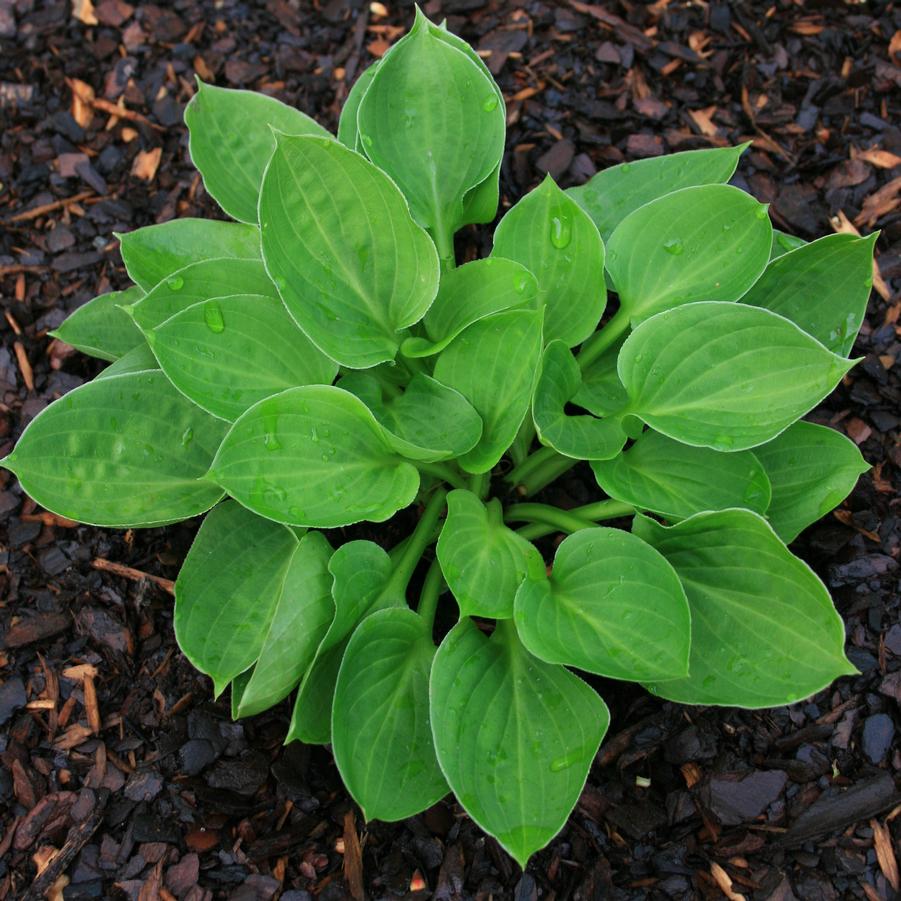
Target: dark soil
<point x="113" y="750"/>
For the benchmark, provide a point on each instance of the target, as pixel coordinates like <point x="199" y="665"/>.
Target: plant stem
<point x="563" y="520"/>
<point x="444" y="242"/>
<point x="417" y="543"/>
<point x="606" y="337"/>
<point x="600" y="510"/>
<point x="533" y="461"/>
<point x="431" y="591"/>
<point x="479" y="484"/>
<point x="444" y="472"/>
<point x="540" y="469"/>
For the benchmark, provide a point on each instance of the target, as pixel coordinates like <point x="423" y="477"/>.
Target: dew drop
<point x="176" y="283"/>
<point x="187" y="436"/>
<point x="271" y="442"/>
<point x="367" y="140"/>
<point x="212" y="316"/>
<point x="563" y="763"/>
<point x="490" y="103"/>
<point x="761" y="211"/>
<point x="561" y="232"/>
<point x="521" y="284"/>
<point x="673" y="246"/>
<point x="723" y="442"/>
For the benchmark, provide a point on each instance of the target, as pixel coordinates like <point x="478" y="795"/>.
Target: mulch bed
<point x="121" y="778"/>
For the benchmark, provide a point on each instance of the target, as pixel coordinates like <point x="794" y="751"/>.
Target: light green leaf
<point x="138" y="359"/>
<point x="434" y="122"/>
<point x="381" y="734"/>
<point x="600" y="390"/>
<point x="350" y="264"/>
<point x="231" y="140"/>
<point x="155" y="252"/>
<point x="783" y="243"/>
<point x="237" y="686"/>
<point x="515" y="736"/>
<point x="823" y="286"/>
<point x="124" y="451"/>
<point x="483" y="562"/>
<point x="812" y="469"/>
<point x="313" y="456"/>
<point x="583" y="437"/>
<point x="303" y="615"/>
<point x="676" y="481"/>
<point x="228" y="353"/>
<point x="612" y="606"/>
<point x="468" y="294"/>
<point x="348" y="133"/>
<point x="555" y="239"/>
<point x="428" y="421"/>
<point x="612" y="194"/>
<point x="312" y="712"/>
<point x="100" y="329"/>
<point x="724" y="375"/>
<point x="705" y="243"/>
<point x="206" y="280"/>
<point x="492" y="364"/>
<point x="763" y="629"/>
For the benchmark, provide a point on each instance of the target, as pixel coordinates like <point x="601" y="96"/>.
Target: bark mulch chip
<point x="120" y="776"/>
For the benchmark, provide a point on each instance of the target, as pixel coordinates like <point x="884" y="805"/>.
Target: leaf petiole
<point x="431" y="592"/>
<point x="564" y="520"/>
<point x="416" y="544"/>
<point x="444" y="472"/>
<point x="606" y="337"/>
<point x="540" y="469"/>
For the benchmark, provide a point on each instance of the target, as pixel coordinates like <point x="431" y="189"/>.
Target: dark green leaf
<point x="100" y="328"/>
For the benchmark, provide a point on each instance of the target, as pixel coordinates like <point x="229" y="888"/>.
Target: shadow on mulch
<point x="112" y="748"/>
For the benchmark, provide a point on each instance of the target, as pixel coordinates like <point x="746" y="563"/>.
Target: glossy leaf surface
<point x="232" y="138"/>
<point x="350" y="264"/>
<point x="482" y="560"/>
<point x="100" y="328"/>
<point x="554" y="238"/>
<point x="515" y="736"/>
<point x="812" y="469"/>
<point x="764" y="630"/>
<point x="697" y="244"/>
<point x="726" y="376"/>
<point x="313" y="456"/>
<point x="600" y="391"/>
<point x="348" y="133"/>
<point x="124" y="451"/>
<point x="138" y="359"/>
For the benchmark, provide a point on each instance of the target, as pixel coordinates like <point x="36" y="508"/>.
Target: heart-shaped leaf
<point x="705" y="243"/>
<point x="823" y="286"/>
<point x="313" y="456"/>
<point x="124" y="451"/>
<point x="468" y="294"/>
<point x="583" y="437"/>
<point x="677" y="481"/>
<point x="483" y="561"/>
<point x="613" y="193"/>
<point x="227" y="353"/>
<point x="351" y="265"/>
<point x="554" y="238"/>
<point x="812" y="469"/>
<point x="381" y="734"/>
<point x="492" y="364"/>
<point x="231" y="140"/>
<point x="764" y="631"/>
<point x="724" y="375"/>
<point x="612" y="606"/>
<point x="515" y="736"/>
<point x="155" y="252"/>
<point x="100" y="328"/>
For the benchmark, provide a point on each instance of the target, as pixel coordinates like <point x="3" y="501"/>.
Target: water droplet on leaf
<point x="490" y="103"/>
<point x="176" y="283"/>
<point x="561" y="232"/>
<point x="673" y="246"/>
<point x="212" y="316"/>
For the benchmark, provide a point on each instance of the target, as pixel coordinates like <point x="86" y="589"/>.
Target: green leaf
<point x="238" y="684"/>
<point x="783" y="243"/>
<point x="724" y="375"/>
<point x="492" y="364"/>
<point x="468" y="294"/>
<point x="764" y="631"/>
<point x="100" y="329"/>
<point x="313" y="456"/>
<point x="515" y="736"/>
<point x="348" y="133"/>
<point x="555" y="239"/>
<point x="228" y="590"/>
<point x="424" y="97"/>
<point x="206" y="280"/>
<point x="381" y="734"/>
<point x="155" y="252"/>
<point x="351" y="265"/>
<point x="600" y="390"/>
<point x="124" y="451"/>
<point x="483" y="562"/>
<point x="428" y="421"/>
<point x="612" y="194"/>
<point x="612" y="606"/>
<point x="812" y="469"/>
<point x="312" y="712"/>
<point x="231" y="140"/>
<point x="138" y="359"/>
<point x="301" y="619"/>
<point x="228" y="353"/>
<point x="823" y="286"/>
<point x="583" y="437"/>
<point x="705" y="243"/>
<point x="677" y="481"/>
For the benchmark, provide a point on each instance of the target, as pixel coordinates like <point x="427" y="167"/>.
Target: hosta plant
<point x="324" y="359"/>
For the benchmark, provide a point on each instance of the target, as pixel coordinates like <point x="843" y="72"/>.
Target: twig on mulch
<point x="45" y="208"/>
<point x="129" y="572"/>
